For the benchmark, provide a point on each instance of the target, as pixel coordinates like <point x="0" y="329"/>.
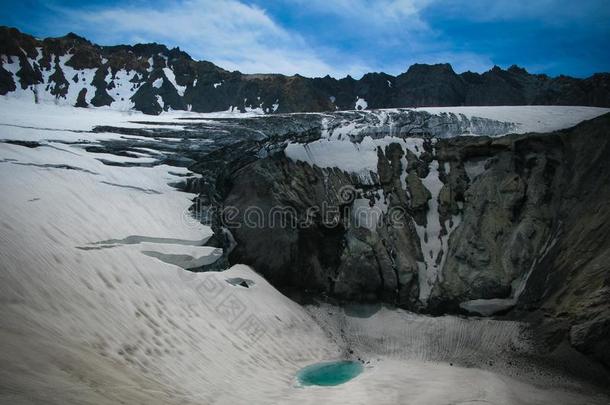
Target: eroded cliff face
<point x="514" y="225"/>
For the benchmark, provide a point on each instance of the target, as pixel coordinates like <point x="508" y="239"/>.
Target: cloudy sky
<point x="340" y="37"/>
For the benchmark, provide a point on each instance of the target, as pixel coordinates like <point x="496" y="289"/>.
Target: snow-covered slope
<point x="90" y="316"/>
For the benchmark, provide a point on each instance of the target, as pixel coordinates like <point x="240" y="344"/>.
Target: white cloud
<point x="227" y="32"/>
<point x="383" y="35"/>
<point x="396" y="30"/>
<point x="239" y="36"/>
<point x="378" y="13"/>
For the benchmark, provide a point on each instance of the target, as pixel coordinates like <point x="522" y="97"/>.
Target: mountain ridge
<point x="153" y="78"/>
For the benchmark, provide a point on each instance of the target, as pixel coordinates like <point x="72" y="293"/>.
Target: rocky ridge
<point x="152" y="78"/>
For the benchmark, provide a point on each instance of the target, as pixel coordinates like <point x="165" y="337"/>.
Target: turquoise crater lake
<point x="329" y="373"/>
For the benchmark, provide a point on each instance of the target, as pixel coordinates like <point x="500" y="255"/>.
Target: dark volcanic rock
<point x="572" y="280"/>
<point x="144" y="100"/>
<point x="101" y="96"/>
<point x="60" y="87"/>
<point x="7" y="83"/>
<point x="430" y="85"/>
<point x="80" y="100"/>
<point x="28" y="74"/>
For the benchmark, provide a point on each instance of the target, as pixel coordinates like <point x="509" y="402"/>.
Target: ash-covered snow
<point x="529" y="118"/>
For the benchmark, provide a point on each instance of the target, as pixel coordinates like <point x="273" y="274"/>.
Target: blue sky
<point x="340" y="37"/>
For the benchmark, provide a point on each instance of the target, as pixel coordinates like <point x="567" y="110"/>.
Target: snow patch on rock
<point x="172" y="79"/>
<point x="158" y="83"/>
<point x="361" y="104"/>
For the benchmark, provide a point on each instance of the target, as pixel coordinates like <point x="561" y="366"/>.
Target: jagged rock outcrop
<point x="152" y="78"/>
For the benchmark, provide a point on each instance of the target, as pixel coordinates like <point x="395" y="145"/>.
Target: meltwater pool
<point x="329" y="373"/>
